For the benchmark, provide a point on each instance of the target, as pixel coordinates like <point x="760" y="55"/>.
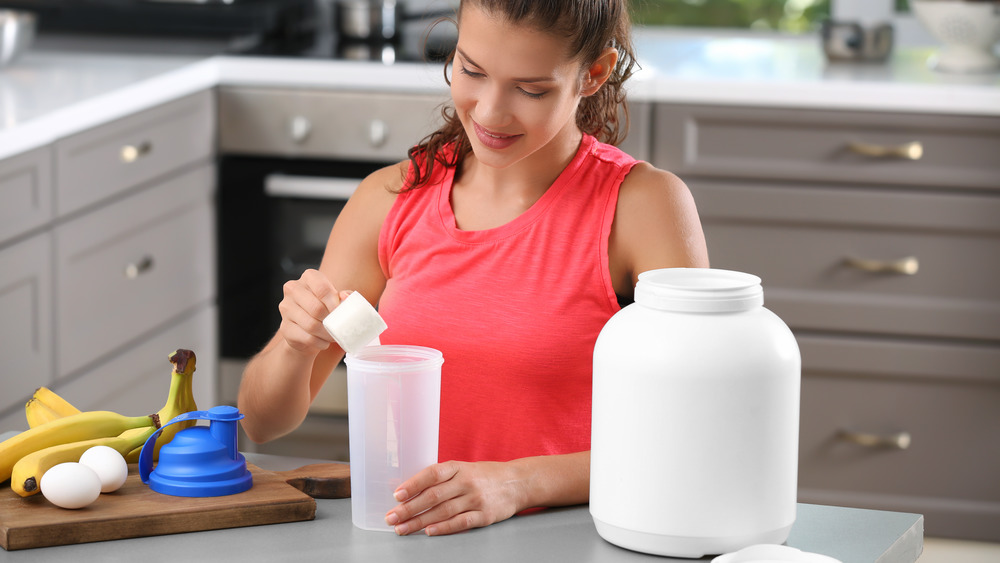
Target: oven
<point x="275" y="215"/>
<point x="289" y="158"/>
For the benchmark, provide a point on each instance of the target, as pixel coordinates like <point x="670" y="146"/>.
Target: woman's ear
<point x="599" y="71"/>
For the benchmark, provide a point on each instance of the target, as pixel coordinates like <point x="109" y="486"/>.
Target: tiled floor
<point x="940" y="550"/>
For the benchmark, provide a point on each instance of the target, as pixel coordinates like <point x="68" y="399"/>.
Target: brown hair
<point x="589" y="26"/>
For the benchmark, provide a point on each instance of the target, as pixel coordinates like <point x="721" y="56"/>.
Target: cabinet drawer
<point x="826" y="145"/>
<point x="26" y="192"/>
<point x="110" y="159"/>
<point x="127" y="268"/>
<point x="25" y="320"/>
<point x="344" y="125"/>
<point x="804" y="243"/>
<point x="136" y="380"/>
<point x="944" y="397"/>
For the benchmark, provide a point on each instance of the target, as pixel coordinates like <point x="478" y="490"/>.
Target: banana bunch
<point x="58" y="432"/>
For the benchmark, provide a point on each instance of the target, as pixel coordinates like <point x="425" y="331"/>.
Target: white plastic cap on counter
<point x="771" y="553"/>
<point x="354" y="324"/>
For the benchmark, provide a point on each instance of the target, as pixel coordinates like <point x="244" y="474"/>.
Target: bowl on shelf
<point x="17" y="31"/>
<point x="968" y="31"/>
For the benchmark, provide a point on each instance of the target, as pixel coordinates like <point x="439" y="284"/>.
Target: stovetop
<point x="283" y="28"/>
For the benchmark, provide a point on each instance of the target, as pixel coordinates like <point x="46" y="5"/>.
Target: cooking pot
<point x="377" y="21"/>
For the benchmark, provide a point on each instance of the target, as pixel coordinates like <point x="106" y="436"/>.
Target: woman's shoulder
<point x="646" y="184"/>
<point x="387" y="180"/>
<point x="656" y="205"/>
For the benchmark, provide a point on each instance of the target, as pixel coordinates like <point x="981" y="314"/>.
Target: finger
<point x="428" y="503"/>
<point x="300" y="308"/>
<point x="299" y="339"/>
<point x="439" y="513"/>
<point x="458" y="523"/>
<point x="424" y="479"/>
<point x="322" y="288"/>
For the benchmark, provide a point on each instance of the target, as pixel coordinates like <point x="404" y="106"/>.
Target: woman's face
<point x="514" y="88"/>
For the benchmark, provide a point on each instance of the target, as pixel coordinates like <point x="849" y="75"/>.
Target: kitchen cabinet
<point x="113" y="263"/>
<point x="126" y="268"/>
<point x="876" y="237"/>
<point x="25" y="318"/>
<point x="26" y="193"/>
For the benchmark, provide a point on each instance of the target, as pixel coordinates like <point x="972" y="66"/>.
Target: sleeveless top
<point x="515" y="309"/>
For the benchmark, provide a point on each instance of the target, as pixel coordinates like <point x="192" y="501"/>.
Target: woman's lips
<point x="493" y="140"/>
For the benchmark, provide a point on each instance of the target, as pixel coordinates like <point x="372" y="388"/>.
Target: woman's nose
<point x="492" y="108"/>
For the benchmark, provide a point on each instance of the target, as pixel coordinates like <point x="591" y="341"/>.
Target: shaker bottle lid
<point x="201" y="461"/>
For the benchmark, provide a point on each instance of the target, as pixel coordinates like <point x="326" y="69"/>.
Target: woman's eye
<point x="471" y="74"/>
<point x="532" y="95"/>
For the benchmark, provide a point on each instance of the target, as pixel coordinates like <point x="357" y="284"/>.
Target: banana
<point x="72" y="428"/>
<point x="45" y="405"/>
<point x="180" y="399"/>
<point x="27" y="473"/>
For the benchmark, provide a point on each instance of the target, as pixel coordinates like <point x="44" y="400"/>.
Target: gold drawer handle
<point x="132" y="153"/>
<point x="907" y="266"/>
<point x="136" y="269"/>
<point x="898" y="441"/>
<point x="908" y="151"/>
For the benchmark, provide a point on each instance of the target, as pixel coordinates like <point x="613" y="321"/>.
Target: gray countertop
<point x="565" y="534"/>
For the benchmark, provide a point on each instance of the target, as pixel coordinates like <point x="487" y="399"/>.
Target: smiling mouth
<point x="494" y="140"/>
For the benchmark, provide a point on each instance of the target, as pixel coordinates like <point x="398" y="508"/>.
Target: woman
<point x="506" y="241"/>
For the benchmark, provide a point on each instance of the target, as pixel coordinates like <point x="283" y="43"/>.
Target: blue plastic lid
<point x="201" y="461"/>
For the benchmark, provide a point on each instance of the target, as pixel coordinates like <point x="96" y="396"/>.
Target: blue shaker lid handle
<point x="215" y="413"/>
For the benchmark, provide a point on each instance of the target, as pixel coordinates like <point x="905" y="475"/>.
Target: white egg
<point x="109" y="465"/>
<point x="71" y="485"/>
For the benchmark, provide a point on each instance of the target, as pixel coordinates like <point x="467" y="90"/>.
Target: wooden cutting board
<point x="136" y="511"/>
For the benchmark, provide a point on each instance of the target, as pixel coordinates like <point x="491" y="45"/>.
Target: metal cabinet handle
<point x="299" y="128"/>
<point x="378" y="133"/>
<point x="898" y="441"/>
<point x="907" y="266"/>
<point x="132" y="153"/>
<point x="136" y="269"/>
<point x="908" y="151"/>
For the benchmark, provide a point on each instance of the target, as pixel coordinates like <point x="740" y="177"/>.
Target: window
<point x="774" y="15"/>
<point x="795" y="16"/>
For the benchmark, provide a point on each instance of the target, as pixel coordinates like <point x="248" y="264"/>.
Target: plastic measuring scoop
<point x="201" y="461"/>
<point x="354" y="324"/>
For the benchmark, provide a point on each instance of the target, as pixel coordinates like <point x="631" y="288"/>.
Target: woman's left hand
<point x="452" y="497"/>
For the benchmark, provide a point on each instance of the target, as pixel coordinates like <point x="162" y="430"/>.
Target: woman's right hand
<point x="306" y="302"/>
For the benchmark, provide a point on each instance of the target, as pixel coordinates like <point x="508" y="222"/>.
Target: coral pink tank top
<point x="515" y="309"/>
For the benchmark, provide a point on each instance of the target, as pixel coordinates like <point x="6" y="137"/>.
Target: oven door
<point x="275" y="217"/>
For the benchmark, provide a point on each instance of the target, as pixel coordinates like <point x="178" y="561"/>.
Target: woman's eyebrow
<point x="522" y="80"/>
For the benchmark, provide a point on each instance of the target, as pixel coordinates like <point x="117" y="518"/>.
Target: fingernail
<point x="391" y="519"/>
<point x="400" y="495"/>
<point x="402" y="529"/>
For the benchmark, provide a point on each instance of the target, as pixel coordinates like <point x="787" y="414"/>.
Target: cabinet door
<point x="26" y="192"/>
<point x="890" y="262"/>
<point x="25" y="320"/>
<point x="136" y="380"/>
<point x="113" y="158"/>
<point x="904" y="426"/>
<point x="126" y="269"/>
<point x="888" y="148"/>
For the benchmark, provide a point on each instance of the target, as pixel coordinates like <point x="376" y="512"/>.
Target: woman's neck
<point x="528" y="178"/>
